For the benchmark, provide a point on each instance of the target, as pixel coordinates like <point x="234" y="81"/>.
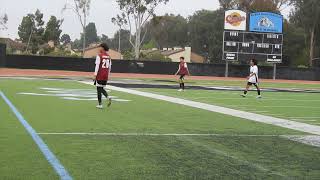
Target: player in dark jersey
<point x="182" y="71"/>
<point x="101" y="74"/>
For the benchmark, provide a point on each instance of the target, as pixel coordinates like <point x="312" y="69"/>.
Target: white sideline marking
<point x="303" y="127"/>
<point x="264" y="99"/>
<point x="253" y="106"/>
<point x="303" y="107"/>
<point x="262" y="111"/>
<point x="306" y="117"/>
<point x="168" y="134"/>
<point x="270" y="114"/>
<point x="304" y="120"/>
<point x="43" y="147"/>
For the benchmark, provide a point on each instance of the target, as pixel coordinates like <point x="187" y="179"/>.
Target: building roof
<point x="171" y="52"/>
<point x="163" y="52"/>
<point x="13" y="44"/>
<point x="197" y="58"/>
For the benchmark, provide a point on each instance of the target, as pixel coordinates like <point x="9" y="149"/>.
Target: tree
<point x="205" y="33"/>
<point x="306" y="14"/>
<point x="65" y="39"/>
<point x="76" y="44"/>
<point x="53" y="31"/>
<point x="168" y="31"/>
<point x="254" y="5"/>
<point x="294" y="45"/>
<point x="105" y="39"/>
<point x="137" y="13"/>
<point x="81" y="8"/>
<point x="90" y="34"/>
<point x="3" y="21"/>
<point x="31" y="31"/>
<point x="125" y="44"/>
<point x="155" y="56"/>
<point x="120" y="21"/>
<point x="150" y="45"/>
<point x="26" y="27"/>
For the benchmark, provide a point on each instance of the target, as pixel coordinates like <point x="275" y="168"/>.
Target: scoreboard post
<point x="263" y="42"/>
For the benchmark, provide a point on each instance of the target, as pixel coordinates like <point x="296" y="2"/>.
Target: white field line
<point x="303" y="127"/>
<point x="264" y="99"/>
<point x="306" y="117"/>
<point x="261" y="111"/>
<point x="304" y="120"/>
<point x="164" y="134"/>
<point x="270" y="114"/>
<point x="304" y="107"/>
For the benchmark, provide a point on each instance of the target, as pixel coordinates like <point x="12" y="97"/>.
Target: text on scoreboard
<point x="266" y="45"/>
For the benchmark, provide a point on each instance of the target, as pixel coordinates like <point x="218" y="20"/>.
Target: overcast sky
<point x="101" y="13"/>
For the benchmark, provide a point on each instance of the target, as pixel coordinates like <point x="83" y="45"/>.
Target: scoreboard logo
<point x="235" y="20"/>
<point x="266" y="22"/>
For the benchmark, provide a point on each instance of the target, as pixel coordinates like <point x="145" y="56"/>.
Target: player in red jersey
<point x="101" y="73"/>
<point x="182" y="71"/>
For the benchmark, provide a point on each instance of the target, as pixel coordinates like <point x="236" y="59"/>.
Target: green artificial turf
<point x="143" y="157"/>
<point x="20" y="157"/>
<point x="231" y="83"/>
<point x="301" y="107"/>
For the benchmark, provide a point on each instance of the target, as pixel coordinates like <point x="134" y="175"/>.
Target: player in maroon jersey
<point x="101" y="73"/>
<point x="182" y="71"/>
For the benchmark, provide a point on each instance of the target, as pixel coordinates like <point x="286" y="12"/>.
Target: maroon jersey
<point x="104" y="67"/>
<point x="183" y="68"/>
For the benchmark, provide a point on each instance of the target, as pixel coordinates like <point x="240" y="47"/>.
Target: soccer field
<point x="146" y="138"/>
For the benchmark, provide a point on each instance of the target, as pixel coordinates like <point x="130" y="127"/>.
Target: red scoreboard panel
<point x="246" y="45"/>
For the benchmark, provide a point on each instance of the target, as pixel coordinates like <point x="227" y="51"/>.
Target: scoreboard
<point x="239" y="45"/>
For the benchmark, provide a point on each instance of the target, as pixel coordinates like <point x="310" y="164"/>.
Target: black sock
<point x="245" y="92"/>
<point x="183" y="86"/>
<point x="104" y="92"/>
<point x="258" y="89"/>
<point x="180" y="85"/>
<point x="99" y="93"/>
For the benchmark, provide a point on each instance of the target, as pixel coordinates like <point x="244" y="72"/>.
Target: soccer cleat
<point x="109" y="102"/>
<point x="180" y="90"/>
<point x="243" y="95"/>
<point x="99" y="106"/>
<point x="259" y="97"/>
